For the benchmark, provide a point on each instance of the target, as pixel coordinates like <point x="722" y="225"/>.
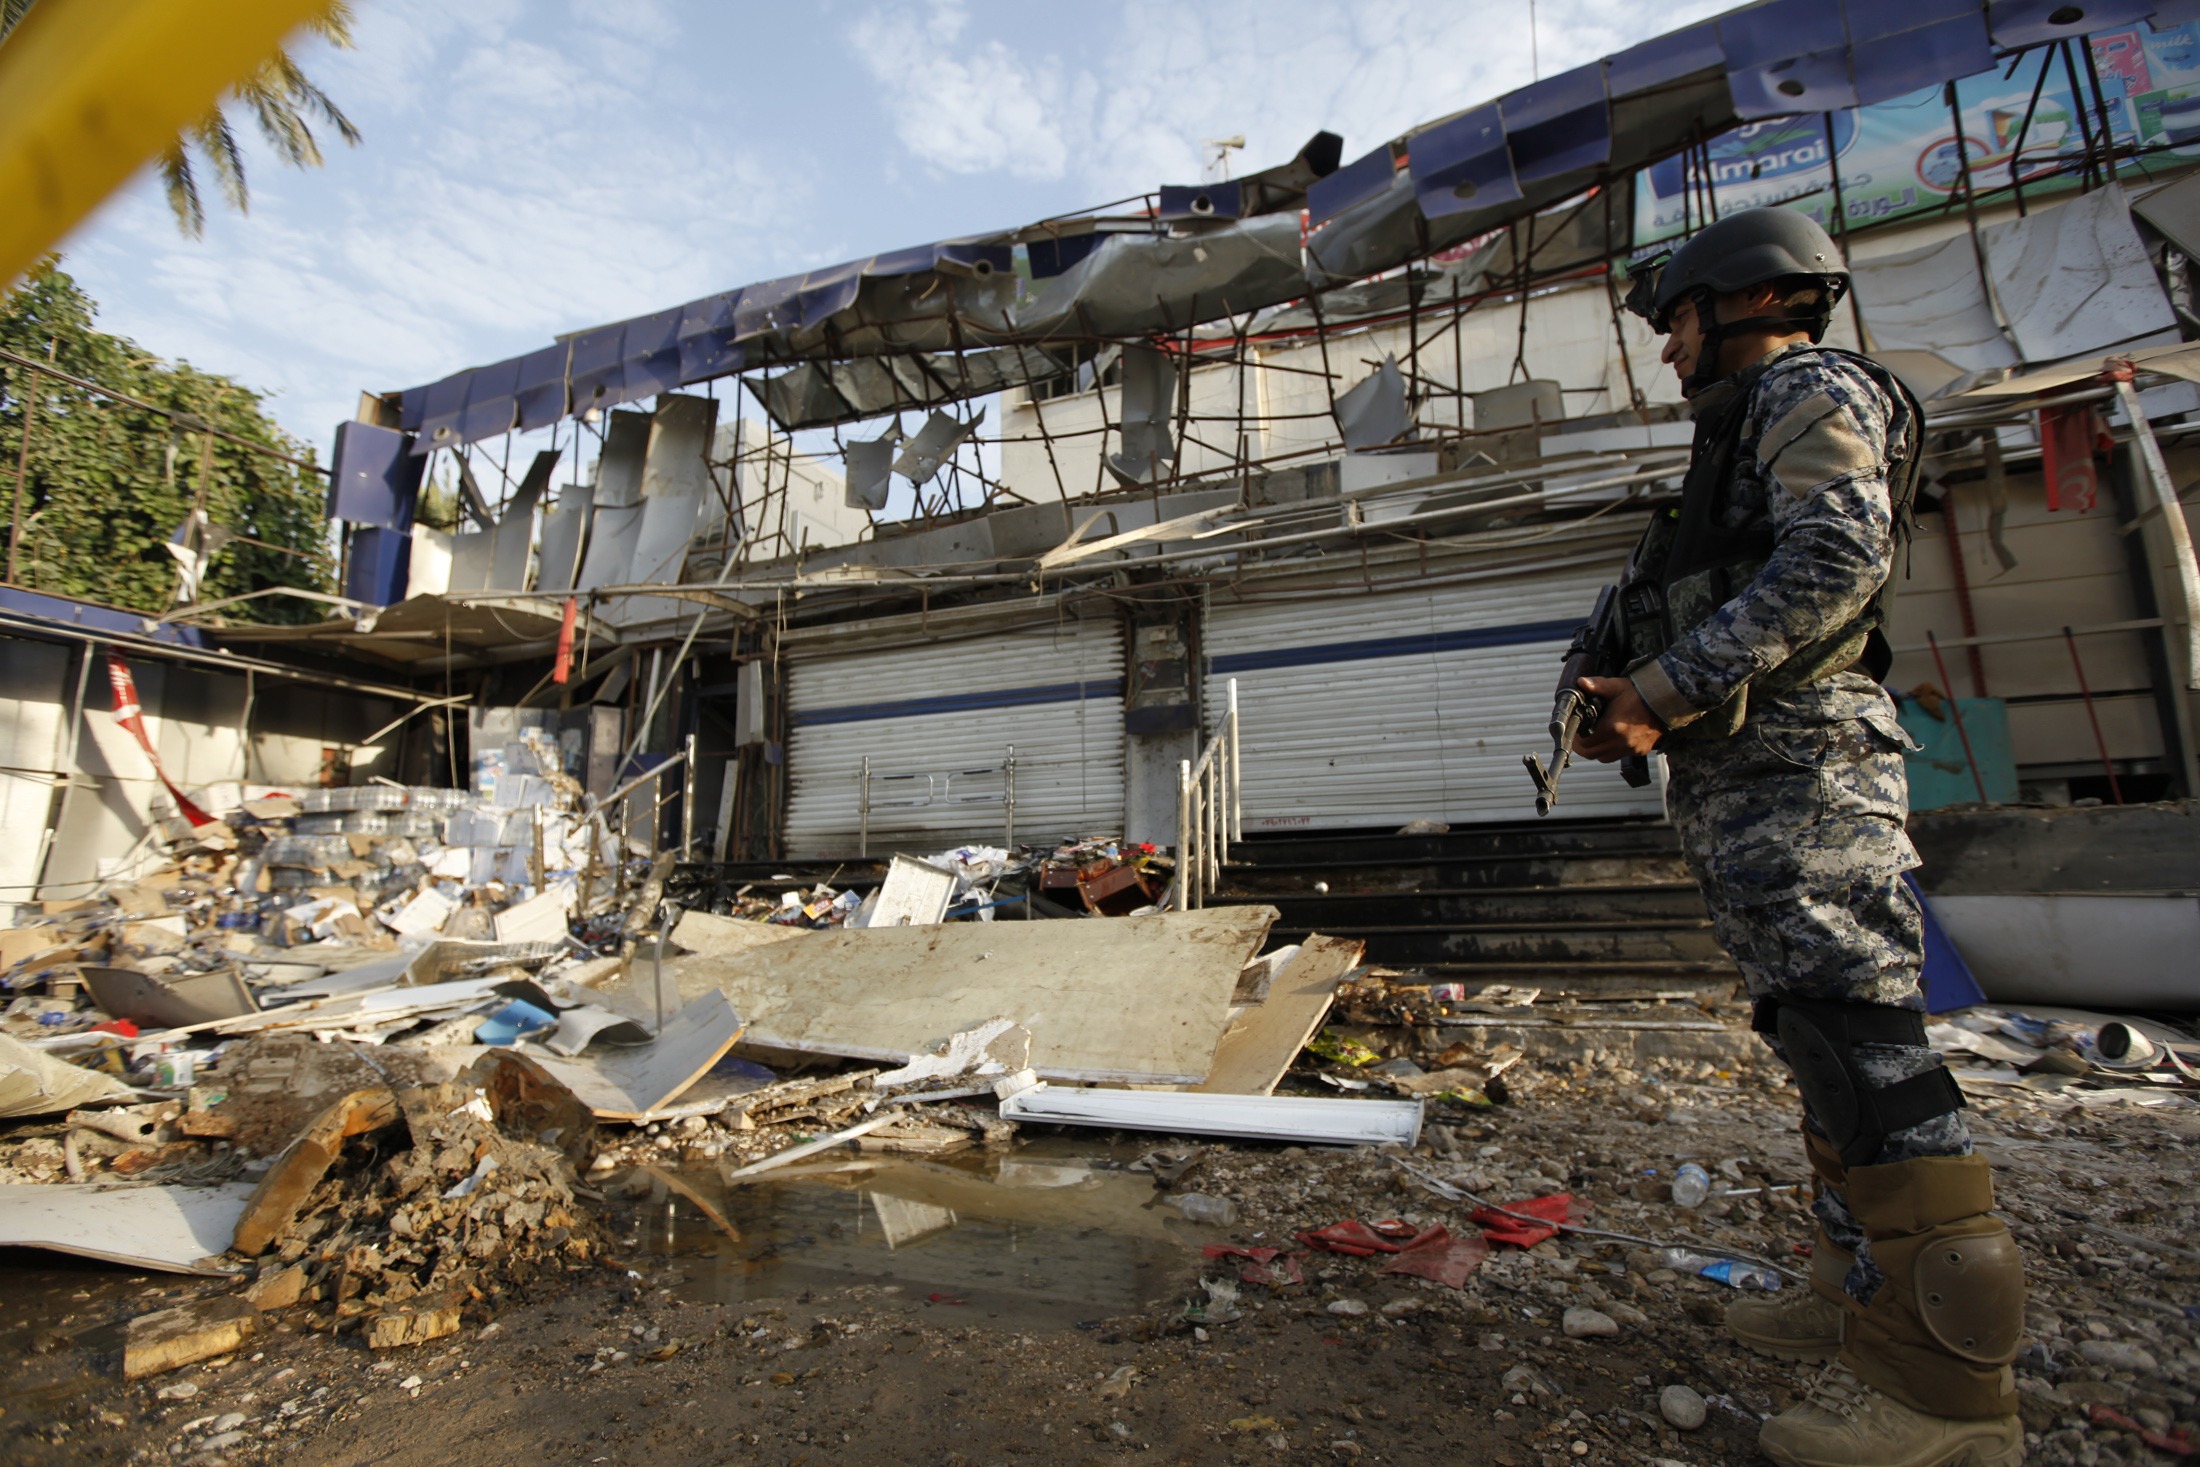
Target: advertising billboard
<point x="1900" y="157"/>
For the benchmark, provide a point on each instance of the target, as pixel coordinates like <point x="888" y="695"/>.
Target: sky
<point x="535" y="167"/>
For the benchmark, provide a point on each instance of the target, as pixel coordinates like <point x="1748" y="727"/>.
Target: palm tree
<point x="282" y="100"/>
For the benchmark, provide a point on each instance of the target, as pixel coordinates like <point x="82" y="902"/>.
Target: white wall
<point x="784" y="493"/>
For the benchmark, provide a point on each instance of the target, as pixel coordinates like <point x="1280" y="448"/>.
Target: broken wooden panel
<point x="169" y="1003"/>
<point x="621" y="1084"/>
<point x="915" y="894"/>
<point x="714" y="936"/>
<point x="1264" y="1038"/>
<point x="275" y="1202"/>
<point x="173" y="1229"/>
<point x="1129" y="999"/>
<point x="34" y="1083"/>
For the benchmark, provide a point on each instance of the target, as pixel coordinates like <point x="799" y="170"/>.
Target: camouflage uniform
<point x="1793" y="826"/>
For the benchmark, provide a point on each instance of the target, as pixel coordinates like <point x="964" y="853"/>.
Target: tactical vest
<point x="1688" y="565"/>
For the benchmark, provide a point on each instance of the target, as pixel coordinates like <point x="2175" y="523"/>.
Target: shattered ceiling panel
<point x="933" y="445"/>
<point x="1199" y="254"/>
<point x="870" y="466"/>
<point x="2076" y="278"/>
<point x="822" y="394"/>
<point x="1930" y="301"/>
<point x="1148" y="402"/>
<point x="1375" y="411"/>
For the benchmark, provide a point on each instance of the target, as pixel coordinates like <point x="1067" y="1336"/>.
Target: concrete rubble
<point x="380" y="1109"/>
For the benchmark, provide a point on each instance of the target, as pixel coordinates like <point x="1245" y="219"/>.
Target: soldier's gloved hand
<point x="1627" y="726"/>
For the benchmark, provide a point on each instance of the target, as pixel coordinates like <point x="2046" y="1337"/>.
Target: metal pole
<point x="863" y="811"/>
<point x="2115" y="790"/>
<point x="1217" y="825"/>
<point x="1237" y="772"/>
<point x="641" y="779"/>
<point x="687" y="803"/>
<point x="1008" y="797"/>
<point x="2173" y="519"/>
<point x="1183" y="834"/>
<point x="1956" y="711"/>
<point x="1197" y="858"/>
<point x="671" y="917"/>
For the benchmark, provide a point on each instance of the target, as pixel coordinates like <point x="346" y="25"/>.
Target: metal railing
<point x="1210" y="812"/>
<point x="922" y="790"/>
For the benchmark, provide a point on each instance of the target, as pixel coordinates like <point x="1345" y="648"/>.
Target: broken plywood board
<point x="1130" y="999"/>
<point x="34" y="1083"/>
<point x="623" y="1084"/>
<point x="714" y="936"/>
<point x="169" y="1003"/>
<point x="173" y="1229"/>
<point x="915" y="894"/>
<point x="1264" y="1038"/>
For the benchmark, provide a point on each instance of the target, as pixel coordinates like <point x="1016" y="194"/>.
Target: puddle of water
<point x="1044" y="1239"/>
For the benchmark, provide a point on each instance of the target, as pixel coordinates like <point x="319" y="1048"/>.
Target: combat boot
<point x="1846" y="1423"/>
<point x="1798" y="1324"/>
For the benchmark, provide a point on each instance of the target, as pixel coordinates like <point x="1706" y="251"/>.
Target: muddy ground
<point x="688" y="1345"/>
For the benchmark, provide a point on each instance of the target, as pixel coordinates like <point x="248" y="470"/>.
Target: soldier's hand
<point x="1627" y="727"/>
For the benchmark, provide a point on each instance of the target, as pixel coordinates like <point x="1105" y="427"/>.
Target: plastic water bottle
<point x="1218" y="1212"/>
<point x="1691" y="1185"/>
<point x="1735" y="1273"/>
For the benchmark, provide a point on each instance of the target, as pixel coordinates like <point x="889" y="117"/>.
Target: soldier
<point x="1758" y="681"/>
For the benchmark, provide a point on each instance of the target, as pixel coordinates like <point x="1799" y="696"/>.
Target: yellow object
<point x="91" y="90"/>
<point x="1340" y="1049"/>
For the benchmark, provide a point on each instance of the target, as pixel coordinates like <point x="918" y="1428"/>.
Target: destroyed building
<point x="1208" y="558"/>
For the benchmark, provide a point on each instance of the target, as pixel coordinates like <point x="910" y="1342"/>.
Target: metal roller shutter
<point x="937" y="721"/>
<point x="1375" y="710"/>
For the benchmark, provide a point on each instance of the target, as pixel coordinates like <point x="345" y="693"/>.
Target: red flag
<point x="563" y="670"/>
<point x="126" y="714"/>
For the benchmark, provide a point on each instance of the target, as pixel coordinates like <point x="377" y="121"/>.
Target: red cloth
<point x="2176" y="1441"/>
<point x="1358" y="1239"/>
<point x="2069" y="439"/>
<point x="1499" y="1228"/>
<point x="1437" y="1255"/>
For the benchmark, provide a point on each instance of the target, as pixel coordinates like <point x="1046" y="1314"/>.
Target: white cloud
<point x="968" y="104"/>
<point x="513" y="185"/>
<point x="1137" y="104"/>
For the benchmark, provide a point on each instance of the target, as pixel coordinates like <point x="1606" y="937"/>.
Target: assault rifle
<point x="1599" y="649"/>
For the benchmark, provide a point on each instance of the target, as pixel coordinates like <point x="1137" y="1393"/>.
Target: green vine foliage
<point x="106" y="483"/>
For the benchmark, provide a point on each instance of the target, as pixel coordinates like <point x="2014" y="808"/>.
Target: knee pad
<point x="1944" y="1326"/>
<point x="1857" y="1114"/>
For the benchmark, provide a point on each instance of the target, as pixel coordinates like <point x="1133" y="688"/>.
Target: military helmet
<point x="1735" y="252"/>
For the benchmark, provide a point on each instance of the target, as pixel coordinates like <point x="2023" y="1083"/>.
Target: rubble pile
<point x="383" y="1057"/>
<point x="418" y="1216"/>
<point x="1076" y="878"/>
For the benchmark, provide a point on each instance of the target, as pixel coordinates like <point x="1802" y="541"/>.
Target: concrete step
<point x="1413" y="946"/>
<point x="1565" y="908"/>
<point x="1600" y="869"/>
<point x="1506" y="841"/>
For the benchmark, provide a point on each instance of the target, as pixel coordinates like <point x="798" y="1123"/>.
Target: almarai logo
<point x="1755" y="153"/>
